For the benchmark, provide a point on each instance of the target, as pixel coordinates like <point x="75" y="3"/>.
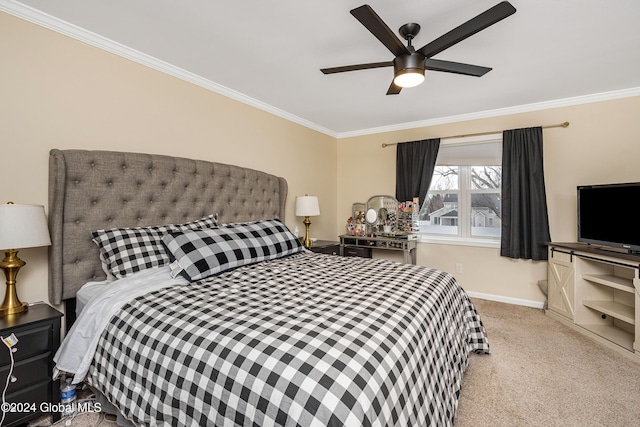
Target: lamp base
<point x="307" y="237"/>
<point x="11" y="264"/>
<point x="14" y="309"/>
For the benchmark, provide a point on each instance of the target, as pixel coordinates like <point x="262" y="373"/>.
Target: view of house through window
<point x="463" y="201"/>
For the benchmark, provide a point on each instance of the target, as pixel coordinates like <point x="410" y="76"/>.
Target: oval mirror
<point x="372" y="216"/>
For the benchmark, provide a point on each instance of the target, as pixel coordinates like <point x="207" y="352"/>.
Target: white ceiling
<point x="269" y="53"/>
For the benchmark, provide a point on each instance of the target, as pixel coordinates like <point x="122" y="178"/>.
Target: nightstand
<point x="325" y="247"/>
<point x="33" y="390"/>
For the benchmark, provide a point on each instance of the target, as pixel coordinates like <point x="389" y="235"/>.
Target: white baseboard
<point x="507" y="300"/>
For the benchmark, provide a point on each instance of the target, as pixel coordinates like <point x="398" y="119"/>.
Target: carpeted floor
<point x="540" y="373"/>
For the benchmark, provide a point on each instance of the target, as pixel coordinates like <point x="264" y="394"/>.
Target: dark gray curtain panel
<point x="525" y="224"/>
<point x="415" y="162"/>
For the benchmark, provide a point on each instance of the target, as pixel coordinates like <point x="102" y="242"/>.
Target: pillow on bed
<point x="126" y="250"/>
<point x="202" y="253"/>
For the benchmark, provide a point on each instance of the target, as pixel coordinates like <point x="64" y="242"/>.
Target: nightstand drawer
<point x="29" y="400"/>
<point x="31" y="341"/>
<point x="27" y="372"/>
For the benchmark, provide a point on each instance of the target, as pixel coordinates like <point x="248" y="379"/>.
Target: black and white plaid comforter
<point x="305" y="340"/>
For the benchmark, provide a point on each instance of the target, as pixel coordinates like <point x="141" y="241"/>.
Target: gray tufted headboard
<point x="91" y="190"/>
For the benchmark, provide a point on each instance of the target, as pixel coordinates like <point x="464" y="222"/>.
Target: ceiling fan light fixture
<point x="409" y="70"/>
<point x="409" y="78"/>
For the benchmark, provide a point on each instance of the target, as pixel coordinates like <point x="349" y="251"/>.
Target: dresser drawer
<point x="31" y="342"/>
<point x="354" y="251"/>
<point x="329" y="250"/>
<point x="27" y="372"/>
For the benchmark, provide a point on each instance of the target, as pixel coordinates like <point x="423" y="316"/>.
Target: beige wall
<point x="56" y="92"/>
<point x="601" y="145"/>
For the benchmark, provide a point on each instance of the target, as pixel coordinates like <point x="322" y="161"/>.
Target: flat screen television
<point x="608" y="215"/>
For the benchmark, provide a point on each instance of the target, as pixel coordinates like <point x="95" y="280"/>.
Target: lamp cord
<point x="6" y="385"/>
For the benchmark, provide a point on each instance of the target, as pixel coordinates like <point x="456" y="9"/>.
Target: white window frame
<point x="464" y="192"/>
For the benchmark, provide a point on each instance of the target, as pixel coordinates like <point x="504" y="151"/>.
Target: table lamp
<point x="307" y="206"/>
<point x="21" y="226"/>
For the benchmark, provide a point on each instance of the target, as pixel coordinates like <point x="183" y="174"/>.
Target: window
<point x="463" y="202"/>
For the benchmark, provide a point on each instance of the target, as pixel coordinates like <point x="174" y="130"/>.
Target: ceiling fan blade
<point x="379" y="29"/>
<point x="455" y="67"/>
<point x="469" y="28"/>
<point x="394" y="89"/>
<point x="356" y="67"/>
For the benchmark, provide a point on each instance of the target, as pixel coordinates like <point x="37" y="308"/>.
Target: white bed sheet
<point x="87" y="291"/>
<point x="76" y="351"/>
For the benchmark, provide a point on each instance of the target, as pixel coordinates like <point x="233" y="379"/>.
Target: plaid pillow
<point x="202" y="253"/>
<point x="126" y="250"/>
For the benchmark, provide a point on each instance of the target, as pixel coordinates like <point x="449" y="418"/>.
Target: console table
<point x="595" y="290"/>
<point x="407" y="245"/>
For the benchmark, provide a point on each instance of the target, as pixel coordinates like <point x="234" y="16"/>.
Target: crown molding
<point x="37" y="17"/>
<point x="65" y="28"/>
<point x="565" y="102"/>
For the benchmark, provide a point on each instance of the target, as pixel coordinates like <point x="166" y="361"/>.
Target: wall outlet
<point x="459" y="268"/>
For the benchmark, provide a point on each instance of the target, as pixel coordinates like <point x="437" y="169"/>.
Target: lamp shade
<point x="23" y="226"/>
<point x="307" y="206"/>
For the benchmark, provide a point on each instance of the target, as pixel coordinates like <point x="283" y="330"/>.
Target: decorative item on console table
<point x="381" y="215"/>
<point x="27" y="372"/>
<point x="408" y="216"/>
<point x="356" y="223"/>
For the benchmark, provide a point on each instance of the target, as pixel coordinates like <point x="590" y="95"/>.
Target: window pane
<point x="486" y="177"/>
<point x="444" y="178"/>
<point x="485" y="215"/>
<point x="439" y="214"/>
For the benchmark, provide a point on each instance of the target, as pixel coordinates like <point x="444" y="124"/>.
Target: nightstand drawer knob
<point x="13" y="379"/>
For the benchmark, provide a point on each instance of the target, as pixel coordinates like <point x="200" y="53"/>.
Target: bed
<point x="238" y="324"/>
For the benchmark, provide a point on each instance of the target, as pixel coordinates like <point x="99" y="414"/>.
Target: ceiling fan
<point x="409" y="64"/>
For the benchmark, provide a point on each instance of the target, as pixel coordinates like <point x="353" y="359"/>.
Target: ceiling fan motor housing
<point x="412" y="63"/>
